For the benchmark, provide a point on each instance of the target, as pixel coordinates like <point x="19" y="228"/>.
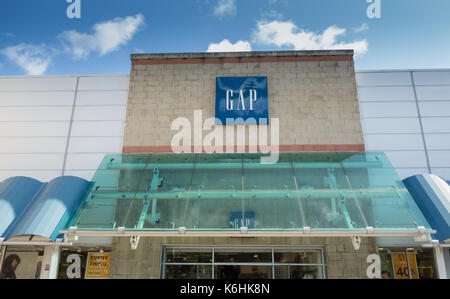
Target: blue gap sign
<point x="242" y="99"/>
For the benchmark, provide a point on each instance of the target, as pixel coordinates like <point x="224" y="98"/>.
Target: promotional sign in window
<point x="401" y="269"/>
<point x="242" y="100"/>
<point x="98" y="265"/>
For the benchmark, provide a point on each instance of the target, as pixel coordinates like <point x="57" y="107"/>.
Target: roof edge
<point x="197" y="55"/>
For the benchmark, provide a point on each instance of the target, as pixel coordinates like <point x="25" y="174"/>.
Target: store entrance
<point x="243" y="263"/>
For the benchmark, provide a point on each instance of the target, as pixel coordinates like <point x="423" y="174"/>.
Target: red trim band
<point x="282" y="148"/>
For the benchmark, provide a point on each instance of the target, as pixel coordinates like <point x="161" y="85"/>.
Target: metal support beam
<point x="256" y="233"/>
<point x="253" y="194"/>
<point x="239" y="165"/>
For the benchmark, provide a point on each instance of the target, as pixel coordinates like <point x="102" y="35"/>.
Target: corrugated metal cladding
<point x="30" y="207"/>
<point x="432" y="195"/>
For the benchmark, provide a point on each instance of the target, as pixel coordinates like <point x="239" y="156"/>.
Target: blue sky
<point x="37" y="37"/>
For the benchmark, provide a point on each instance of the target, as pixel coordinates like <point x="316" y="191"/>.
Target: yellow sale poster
<point x="98" y="265"/>
<point x="400" y="264"/>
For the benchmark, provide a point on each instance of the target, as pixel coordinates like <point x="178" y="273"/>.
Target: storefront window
<point x="73" y="263"/>
<point x="243" y="263"/>
<point x="22" y="262"/>
<point x="402" y="263"/>
<point x="426" y="264"/>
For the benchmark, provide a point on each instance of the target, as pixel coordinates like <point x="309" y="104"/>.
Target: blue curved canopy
<point x="432" y="195"/>
<point x="30" y="207"/>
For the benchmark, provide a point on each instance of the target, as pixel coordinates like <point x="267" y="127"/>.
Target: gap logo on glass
<point x="242" y="101"/>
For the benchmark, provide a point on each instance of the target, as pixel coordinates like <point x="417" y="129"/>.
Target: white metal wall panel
<point x="433" y="93"/>
<point x="436" y="124"/>
<point x="99" y="113"/>
<point x="35" y="113"/>
<point x="393" y="124"/>
<point x="35" y="116"/>
<point x="383" y="79"/>
<point x="95" y="145"/>
<point x="432" y="77"/>
<point x="440" y="158"/>
<point x="382" y="94"/>
<point x="389" y="142"/>
<point x="434" y="109"/>
<point x="438" y="141"/>
<point x="105" y="83"/>
<point x="31" y="161"/>
<point x="33" y="145"/>
<point x="33" y="129"/>
<point x="388" y="109"/>
<point x="36" y="98"/>
<point x="38" y="83"/>
<point x="102" y="98"/>
<point x="97" y="128"/>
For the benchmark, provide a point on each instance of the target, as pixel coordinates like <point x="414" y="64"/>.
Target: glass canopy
<point x="226" y="192"/>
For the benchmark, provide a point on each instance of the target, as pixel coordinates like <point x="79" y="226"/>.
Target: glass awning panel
<point x="225" y="192"/>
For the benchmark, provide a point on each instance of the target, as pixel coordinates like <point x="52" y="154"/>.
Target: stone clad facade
<point x="313" y="93"/>
<point x="145" y="262"/>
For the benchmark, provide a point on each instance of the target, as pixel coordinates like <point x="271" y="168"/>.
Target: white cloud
<point x="227" y="46"/>
<point x="34" y="59"/>
<point x="287" y="34"/>
<point x="225" y="7"/>
<point x="363" y="27"/>
<point x="107" y="37"/>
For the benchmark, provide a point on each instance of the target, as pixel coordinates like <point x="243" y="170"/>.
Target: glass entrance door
<point x="243" y="263"/>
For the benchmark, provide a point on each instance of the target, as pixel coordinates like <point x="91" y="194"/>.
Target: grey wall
<point x="406" y="114"/>
<point x="38" y="112"/>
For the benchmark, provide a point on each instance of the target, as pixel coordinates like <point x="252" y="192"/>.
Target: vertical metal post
<point x="409" y="266"/>
<point x="354" y="195"/>
<point x="51" y="259"/>
<point x="243" y="224"/>
<point x="299" y="199"/>
<point x="273" y="264"/>
<point x="440" y="261"/>
<point x="2" y="255"/>
<point x="213" y="266"/>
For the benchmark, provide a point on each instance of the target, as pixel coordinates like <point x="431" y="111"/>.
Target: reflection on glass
<point x="426" y="264"/>
<point x="188" y="272"/>
<point x="243" y="272"/>
<point x="323" y="191"/>
<point x="240" y="256"/>
<point x="298" y="272"/>
<point x="188" y="256"/>
<point x="298" y="257"/>
<point x="243" y="263"/>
